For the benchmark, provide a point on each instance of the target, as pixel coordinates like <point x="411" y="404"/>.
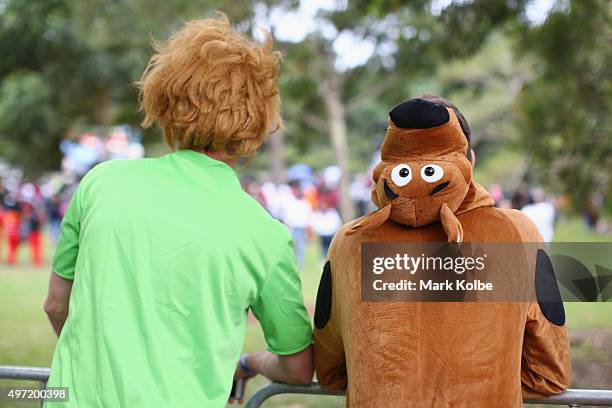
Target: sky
<point x="352" y="49"/>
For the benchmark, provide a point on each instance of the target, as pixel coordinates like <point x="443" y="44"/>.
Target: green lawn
<point x="26" y="337"/>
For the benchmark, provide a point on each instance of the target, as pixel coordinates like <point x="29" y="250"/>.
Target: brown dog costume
<point x="433" y="354"/>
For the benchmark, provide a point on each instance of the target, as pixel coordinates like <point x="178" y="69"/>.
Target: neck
<point x="220" y="156"/>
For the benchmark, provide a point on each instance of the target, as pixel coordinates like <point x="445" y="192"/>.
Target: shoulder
<point x="525" y="226"/>
<point x="257" y="219"/>
<point x="341" y="234"/>
<point x="341" y="240"/>
<point x="347" y="226"/>
<point x="110" y="168"/>
<point x="499" y="224"/>
<point x="116" y="177"/>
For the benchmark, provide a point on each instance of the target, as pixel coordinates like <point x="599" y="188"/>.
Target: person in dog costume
<point x="434" y="354"/>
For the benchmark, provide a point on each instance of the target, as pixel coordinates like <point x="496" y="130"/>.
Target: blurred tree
<point x="563" y="114"/>
<point x="484" y="87"/>
<point x="120" y="33"/>
<point x="28" y="122"/>
<point x="46" y="82"/>
<point x="68" y="63"/>
<point x="71" y="63"/>
<point x="406" y="41"/>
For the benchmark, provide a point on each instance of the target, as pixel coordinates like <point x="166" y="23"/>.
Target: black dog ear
<point x="547" y="290"/>
<point x="324" y="298"/>
<point x="419" y="114"/>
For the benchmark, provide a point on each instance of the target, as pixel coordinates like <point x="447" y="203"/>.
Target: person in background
<point x="168" y="254"/>
<point x="592" y="212"/>
<point x="328" y="194"/>
<point x="3" y="192"/>
<point x="497" y="193"/>
<point x="543" y="214"/>
<point x="3" y="210"/>
<point x="296" y="214"/>
<point x="12" y="227"/>
<point x="325" y="223"/>
<point x="520" y="197"/>
<point x="2" y="215"/>
<point x="54" y="216"/>
<point x="31" y="220"/>
<point x="360" y="193"/>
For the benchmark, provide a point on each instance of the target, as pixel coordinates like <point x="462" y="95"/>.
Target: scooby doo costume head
<point x="425" y="174"/>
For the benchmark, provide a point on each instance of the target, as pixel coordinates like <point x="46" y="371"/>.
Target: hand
<point x="242" y="375"/>
<point x="242" y="384"/>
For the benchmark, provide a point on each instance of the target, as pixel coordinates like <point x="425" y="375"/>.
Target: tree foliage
<point x="45" y="82"/>
<point x="72" y="63"/>
<point x="563" y="114"/>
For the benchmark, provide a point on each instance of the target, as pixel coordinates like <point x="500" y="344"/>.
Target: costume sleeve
<point x="279" y="307"/>
<point x="330" y="362"/>
<point x="65" y="257"/>
<point x="546" y="364"/>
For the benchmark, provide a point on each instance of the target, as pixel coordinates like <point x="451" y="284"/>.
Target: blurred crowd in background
<point x="307" y="203"/>
<point x="27" y="208"/>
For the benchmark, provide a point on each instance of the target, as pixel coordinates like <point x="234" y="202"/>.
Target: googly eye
<point x="401" y="175"/>
<point x="431" y="173"/>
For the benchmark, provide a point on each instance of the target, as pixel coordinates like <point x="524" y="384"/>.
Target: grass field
<point x="26" y="337"/>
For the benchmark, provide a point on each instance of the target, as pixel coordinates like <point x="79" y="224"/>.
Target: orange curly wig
<point x="211" y="88"/>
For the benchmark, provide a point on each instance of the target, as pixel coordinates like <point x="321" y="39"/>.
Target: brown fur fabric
<point x="434" y="354"/>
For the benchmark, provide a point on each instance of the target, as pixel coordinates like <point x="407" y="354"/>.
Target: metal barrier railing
<point x="39" y="374"/>
<point x="274" y="388"/>
<point x="571" y="398"/>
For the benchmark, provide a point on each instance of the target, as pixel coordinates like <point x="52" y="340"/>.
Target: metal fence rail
<point x="39" y="374"/>
<point x="274" y="388"/>
<point x="571" y="398"/>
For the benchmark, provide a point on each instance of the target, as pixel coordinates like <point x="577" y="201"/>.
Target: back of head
<point x="212" y="89"/>
<point x="465" y="127"/>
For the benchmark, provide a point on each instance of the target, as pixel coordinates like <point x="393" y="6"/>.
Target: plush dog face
<point x="423" y="165"/>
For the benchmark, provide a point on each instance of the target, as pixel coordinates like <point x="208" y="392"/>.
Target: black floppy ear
<point x="419" y="114"/>
<point x="324" y="298"/>
<point x="547" y="290"/>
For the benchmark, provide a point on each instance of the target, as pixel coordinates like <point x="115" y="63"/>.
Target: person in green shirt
<point x="160" y="259"/>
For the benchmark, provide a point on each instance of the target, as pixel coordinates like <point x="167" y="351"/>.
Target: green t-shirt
<point x="167" y="255"/>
